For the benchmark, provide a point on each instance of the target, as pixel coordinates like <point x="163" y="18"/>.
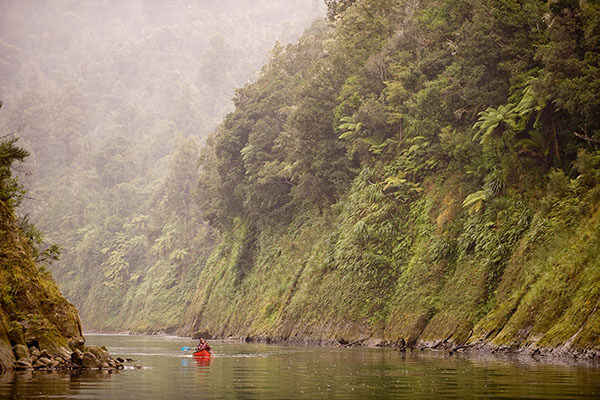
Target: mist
<point x="114" y="100"/>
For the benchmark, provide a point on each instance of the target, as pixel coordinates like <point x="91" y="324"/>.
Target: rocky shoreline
<point x="90" y="357"/>
<point x="557" y="355"/>
<point x="481" y="349"/>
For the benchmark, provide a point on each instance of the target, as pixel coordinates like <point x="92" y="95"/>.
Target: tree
<point x="10" y="189"/>
<point x="337" y="7"/>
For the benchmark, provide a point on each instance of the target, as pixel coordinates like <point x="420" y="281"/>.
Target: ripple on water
<point x="239" y="370"/>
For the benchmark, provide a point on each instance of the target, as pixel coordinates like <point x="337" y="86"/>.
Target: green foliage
<point x="493" y="123"/>
<point x="413" y="171"/>
<point x="41" y="252"/>
<point x="475" y="201"/>
<point x="439" y="158"/>
<point x="10" y="190"/>
<point x="336" y="7"/>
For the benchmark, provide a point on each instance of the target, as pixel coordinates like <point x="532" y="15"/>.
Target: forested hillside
<point x="407" y="172"/>
<point x="413" y="172"/>
<point x="112" y="100"/>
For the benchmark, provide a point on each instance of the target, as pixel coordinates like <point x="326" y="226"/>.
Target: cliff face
<point x="32" y="310"/>
<point x="415" y="176"/>
<point x="525" y="279"/>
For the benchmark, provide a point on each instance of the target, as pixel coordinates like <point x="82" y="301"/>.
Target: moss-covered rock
<point x="21" y="351"/>
<point x="32" y="311"/>
<point x="90" y="361"/>
<point x="16" y="333"/>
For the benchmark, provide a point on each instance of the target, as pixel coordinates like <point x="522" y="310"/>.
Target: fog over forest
<point x="416" y="174"/>
<point x="113" y="100"/>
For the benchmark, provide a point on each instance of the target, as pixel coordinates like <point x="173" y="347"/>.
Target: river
<point x="255" y="371"/>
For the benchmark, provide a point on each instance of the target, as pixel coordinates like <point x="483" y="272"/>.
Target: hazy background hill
<point x="407" y="172"/>
<point x="112" y="99"/>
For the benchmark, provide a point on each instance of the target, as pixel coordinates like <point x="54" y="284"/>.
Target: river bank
<point x="476" y="350"/>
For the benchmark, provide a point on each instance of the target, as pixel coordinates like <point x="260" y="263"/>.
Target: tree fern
<point x="493" y="122"/>
<point x="475" y="202"/>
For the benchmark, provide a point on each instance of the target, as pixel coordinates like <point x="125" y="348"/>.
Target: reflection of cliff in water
<point x="259" y="371"/>
<point x="26" y="384"/>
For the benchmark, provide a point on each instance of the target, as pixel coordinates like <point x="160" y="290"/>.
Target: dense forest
<point x="419" y="172"/>
<point x="408" y="172"/>
<point x="112" y="99"/>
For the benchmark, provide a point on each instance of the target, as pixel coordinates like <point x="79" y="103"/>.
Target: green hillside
<point x="113" y="105"/>
<point x="420" y="172"/>
<point x="406" y="173"/>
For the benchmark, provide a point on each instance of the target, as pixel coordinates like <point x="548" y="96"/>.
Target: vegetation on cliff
<point x="112" y="105"/>
<point x="408" y="171"/>
<point x="39" y="328"/>
<point x="33" y="313"/>
<point x="425" y="172"/>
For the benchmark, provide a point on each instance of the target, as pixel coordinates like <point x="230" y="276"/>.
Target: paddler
<point x="203" y="345"/>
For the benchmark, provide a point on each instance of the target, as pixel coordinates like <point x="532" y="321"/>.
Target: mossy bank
<point x="39" y="328"/>
<point x="510" y="282"/>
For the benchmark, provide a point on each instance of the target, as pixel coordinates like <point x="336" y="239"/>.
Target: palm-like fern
<point x="352" y="130"/>
<point x="475" y="201"/>
<point x="493" y="122"/>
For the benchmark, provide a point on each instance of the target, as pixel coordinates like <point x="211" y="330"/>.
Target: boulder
<point x="89" y="360"/>
<point x="76" y="356"/>
<point x="23" y="363"/>
<point x="43" y="362"/>
<point x="21" y="351"/>
<point x="76" y="343"/>
<point x="99" y="352"/>
<point x="34" y="351"/>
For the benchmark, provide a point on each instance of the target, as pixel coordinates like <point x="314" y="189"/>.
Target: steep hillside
<point x="32" y="310"/>
<point x="423" y="173"/>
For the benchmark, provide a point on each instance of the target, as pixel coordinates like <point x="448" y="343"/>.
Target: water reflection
<point x="273" y="372"/>
<point x="203" y="362"/>
<point x="50" y="384"/>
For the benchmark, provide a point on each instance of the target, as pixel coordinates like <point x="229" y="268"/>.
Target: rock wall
<point x="34" y="316"/>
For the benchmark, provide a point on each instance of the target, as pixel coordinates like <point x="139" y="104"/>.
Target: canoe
<point x="202" y="353"/>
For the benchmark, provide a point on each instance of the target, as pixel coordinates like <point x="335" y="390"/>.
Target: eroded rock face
<point x="39" y="328"/>
<point x="21" y="351"/>
<point x="89" y="360"/>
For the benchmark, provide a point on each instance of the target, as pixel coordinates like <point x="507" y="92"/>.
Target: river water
<point x="254" y="371"/>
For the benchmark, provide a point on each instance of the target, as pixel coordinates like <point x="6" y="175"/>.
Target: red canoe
<point x="201" y="353"/>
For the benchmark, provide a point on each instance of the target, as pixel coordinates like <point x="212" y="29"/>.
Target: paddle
<point x="186" y="348"/>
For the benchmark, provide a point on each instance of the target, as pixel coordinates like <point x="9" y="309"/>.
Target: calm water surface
<point x="251" y="371"/>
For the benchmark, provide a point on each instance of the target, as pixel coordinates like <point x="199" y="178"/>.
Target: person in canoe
<point x="202" y="345"/>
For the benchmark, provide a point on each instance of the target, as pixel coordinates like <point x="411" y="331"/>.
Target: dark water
<point x="250" y="371"/>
